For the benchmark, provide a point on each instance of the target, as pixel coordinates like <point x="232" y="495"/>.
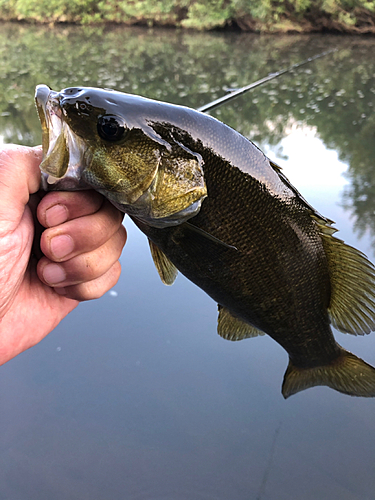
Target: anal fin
<point x="167" y="271"/>
<point x="347" y="374"/>
<point x="231" y="328"/>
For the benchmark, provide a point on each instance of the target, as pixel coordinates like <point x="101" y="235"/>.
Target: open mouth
<point x="63" y="150"/>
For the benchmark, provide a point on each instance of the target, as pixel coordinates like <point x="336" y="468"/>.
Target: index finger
<point x="58" y="207"/>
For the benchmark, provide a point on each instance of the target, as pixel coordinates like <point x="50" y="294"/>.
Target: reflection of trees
<point x="359" y="196"/>
<point x="336" y="94"/>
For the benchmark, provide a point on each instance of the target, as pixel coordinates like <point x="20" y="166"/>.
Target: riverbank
<point x="263" y="16"/>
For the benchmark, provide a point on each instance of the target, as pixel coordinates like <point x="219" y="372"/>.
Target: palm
<point x="29" y="305"/>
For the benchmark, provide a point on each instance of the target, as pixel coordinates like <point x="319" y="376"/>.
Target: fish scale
<point x="260" y="280"/>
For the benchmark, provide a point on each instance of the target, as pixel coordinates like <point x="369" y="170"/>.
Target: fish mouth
<point x="63" y="151"/>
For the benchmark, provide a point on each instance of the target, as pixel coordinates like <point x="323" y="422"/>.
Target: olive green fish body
<point x="276" y="277"/>
<point x="215" y="208"/>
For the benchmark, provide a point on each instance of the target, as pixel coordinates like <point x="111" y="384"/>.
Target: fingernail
<point x="53" y="274"/>
<point x="61" y="246"/>
<point x="56" y="215"/>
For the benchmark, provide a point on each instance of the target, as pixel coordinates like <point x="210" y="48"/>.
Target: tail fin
<point x="347" y="374"/>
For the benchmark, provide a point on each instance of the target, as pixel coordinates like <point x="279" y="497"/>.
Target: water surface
<point x="135" y="395"/>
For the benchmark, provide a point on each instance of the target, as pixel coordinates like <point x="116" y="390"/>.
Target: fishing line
<point x="235" y="93"/>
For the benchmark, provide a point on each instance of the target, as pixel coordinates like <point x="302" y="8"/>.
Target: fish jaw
<point x="64" y="153"/>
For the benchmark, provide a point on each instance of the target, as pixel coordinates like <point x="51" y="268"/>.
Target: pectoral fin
<point x="167" y="271"/>
<point x="231" y="328"/>
<point x="347" y="374"/>
<point x="201" y="233"/>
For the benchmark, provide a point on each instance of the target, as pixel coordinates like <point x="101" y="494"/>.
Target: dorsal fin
<point x="167" y="271"/>
<point x="352" y="277"/>
<point x="231" y="328"/>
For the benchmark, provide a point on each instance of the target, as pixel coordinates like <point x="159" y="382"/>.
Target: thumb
<point x="19" y="178"/>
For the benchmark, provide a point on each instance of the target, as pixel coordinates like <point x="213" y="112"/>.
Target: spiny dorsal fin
<point x="167" y="271"/>
<point x="231" y="328"/>
<point x="347" y="374"/>
<point x="352" y="277"/>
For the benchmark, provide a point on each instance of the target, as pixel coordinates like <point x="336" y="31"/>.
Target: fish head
<point x="106" y="140"/>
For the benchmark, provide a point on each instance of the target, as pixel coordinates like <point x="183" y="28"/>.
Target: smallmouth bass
<point x="214" y="207"/>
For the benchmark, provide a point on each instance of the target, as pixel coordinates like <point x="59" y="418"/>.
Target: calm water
<point x="135" y="396"/>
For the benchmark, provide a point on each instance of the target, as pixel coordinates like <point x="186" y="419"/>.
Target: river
<point x="135" y="396"/>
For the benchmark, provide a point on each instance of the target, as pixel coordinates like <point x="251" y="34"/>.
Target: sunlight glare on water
<point x="307" y="162"/>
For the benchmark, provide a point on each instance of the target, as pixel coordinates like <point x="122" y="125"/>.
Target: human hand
<point x="81" y="246"/>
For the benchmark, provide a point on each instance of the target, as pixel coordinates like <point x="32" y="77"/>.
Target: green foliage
<point x="207" y="14"/>
<point x="47" y="10"/>
<point x="258" y="15"/>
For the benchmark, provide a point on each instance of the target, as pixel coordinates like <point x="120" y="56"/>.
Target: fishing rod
<point x="235" y="93"/>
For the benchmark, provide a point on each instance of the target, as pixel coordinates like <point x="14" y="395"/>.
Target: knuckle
<point x="95" y="288"/>
<point x="90" y="267"/>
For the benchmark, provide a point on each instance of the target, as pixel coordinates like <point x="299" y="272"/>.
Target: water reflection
<point x="335" y="95"/>
<point x="135" y="396"/>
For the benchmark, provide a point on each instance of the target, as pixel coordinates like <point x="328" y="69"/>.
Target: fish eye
<point x="111" y="128"/>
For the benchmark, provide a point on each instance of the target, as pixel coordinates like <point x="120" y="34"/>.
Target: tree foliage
<point x="250" y="15"/>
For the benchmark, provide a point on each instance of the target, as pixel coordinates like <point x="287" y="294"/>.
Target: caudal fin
<point x="347" y="373"/>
